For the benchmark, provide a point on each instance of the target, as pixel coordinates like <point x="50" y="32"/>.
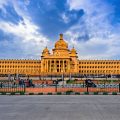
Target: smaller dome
<point x="45" y="50"/>
<point x="73" y="51"/>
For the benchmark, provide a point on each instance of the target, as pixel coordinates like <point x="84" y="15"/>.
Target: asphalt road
<point x="63" y="107"/>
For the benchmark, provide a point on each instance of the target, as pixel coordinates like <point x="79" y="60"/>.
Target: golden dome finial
<point x="61" y="36"/>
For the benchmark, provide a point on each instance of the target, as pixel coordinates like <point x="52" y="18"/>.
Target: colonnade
<point x="57" y="65"/>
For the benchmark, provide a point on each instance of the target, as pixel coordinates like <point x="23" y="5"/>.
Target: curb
<point x="63" y="93"/>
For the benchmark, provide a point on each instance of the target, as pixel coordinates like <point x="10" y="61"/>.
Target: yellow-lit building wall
<point x="27" y="67"/>
<point x="97" y="67"/>
<point x="85" y="67"/>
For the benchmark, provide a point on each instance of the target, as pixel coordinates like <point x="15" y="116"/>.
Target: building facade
<point x="61" y="60"/>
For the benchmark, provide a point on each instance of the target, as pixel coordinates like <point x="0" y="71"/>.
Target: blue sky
<point x="91" y="26"/>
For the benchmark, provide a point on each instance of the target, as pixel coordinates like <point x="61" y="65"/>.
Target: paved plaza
<point x="63" y="107"/>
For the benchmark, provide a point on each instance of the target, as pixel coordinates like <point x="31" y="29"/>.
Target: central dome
<point x="61" y="43"/>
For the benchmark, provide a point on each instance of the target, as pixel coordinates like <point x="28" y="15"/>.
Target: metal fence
<point x="74" y="87"/>
<point x="45" y="88"/>
<point x="11" y="87"/>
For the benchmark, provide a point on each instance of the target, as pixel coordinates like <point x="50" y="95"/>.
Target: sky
<point x="28" y="26"/>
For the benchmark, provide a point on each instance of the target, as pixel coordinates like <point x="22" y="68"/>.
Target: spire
<point x="61" y="36"/>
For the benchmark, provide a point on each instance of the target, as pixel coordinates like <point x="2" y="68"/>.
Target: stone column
<point x="50" y="66"/>
<point x="44" y="67"/>
<point x="47" y="65"/>
<point x="54" y="66"/>
<point x="59" y="65"/>
<point x="63" y="66"/>
<point x="68" y="66"/>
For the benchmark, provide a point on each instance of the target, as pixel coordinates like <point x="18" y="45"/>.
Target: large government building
<point x="61" y="60"/>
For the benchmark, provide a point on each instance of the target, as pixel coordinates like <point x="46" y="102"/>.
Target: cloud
<point x="26" y="35"/>
<point x="25" y="30"/>
<point x="3" y="3"/>
<point x="94" y="35"/>
<point x="65" y="18"/>
<point x="27" y="2"/>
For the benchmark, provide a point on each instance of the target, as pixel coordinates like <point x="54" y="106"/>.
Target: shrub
<point x="49" y="93"/>
<point x="114" y="93"/>
<point x="95" y="93"/>
<point x="3" y="93"/>
<point x="86" y="93"/>
<point x="31" y="93"/>
<point x="59" y="93"/>
<point x="69" y="92"/>
<point x="105" y="93"/>
<point x="22" y="93"/>
<point x="40" y="93"/>
<point x="70" y="81"/>
<point x="12" y="93"/>
<point x="77" y="93"/>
